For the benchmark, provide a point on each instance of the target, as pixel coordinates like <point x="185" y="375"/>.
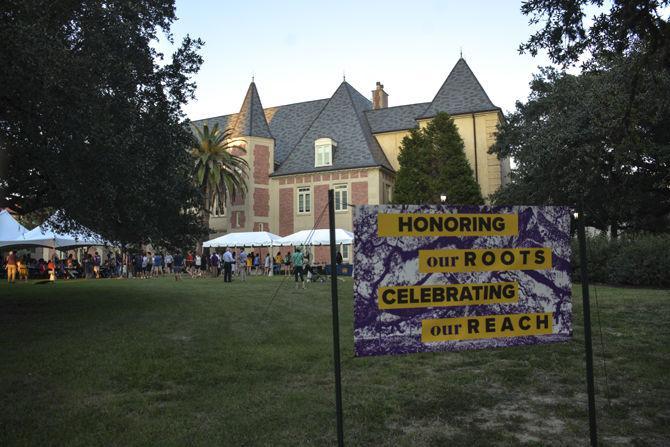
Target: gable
<point x="342" y="120"/>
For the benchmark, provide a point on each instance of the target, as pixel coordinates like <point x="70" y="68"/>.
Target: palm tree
<point x="220" y="174"/>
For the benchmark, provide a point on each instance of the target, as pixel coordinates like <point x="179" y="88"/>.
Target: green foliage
<point x="617" y="29"/>
<point x="91" y="120"/>
<point x="631" y="260"/>
<point x="581" y="138"/>
<point x="218" y="172"/>
<point x="432" y="163"/>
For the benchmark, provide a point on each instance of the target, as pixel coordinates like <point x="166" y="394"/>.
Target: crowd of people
<point x="92" y="265"/>
<point x="228" y="262"/>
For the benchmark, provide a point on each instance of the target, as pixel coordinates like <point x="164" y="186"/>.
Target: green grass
<point x="200" y="362"/>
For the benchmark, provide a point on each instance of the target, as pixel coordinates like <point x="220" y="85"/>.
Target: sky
<point x="300" y="50"/>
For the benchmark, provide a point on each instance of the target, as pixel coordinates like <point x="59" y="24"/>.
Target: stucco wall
<point x="482" y="130"/>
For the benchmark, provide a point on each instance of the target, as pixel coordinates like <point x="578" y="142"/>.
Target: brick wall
<point x="359" y="193"/>
<point x="261" y="164"/>
<point x="286" y="211"/>
<point x="261" y="202"/>
<point x="320" y="202"/>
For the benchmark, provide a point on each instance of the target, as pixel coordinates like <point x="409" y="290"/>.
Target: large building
<point x="296" y="152"/>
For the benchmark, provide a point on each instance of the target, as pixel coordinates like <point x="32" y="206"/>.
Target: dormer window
<point x="323" y="152"/>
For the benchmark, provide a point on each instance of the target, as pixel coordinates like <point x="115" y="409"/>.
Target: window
<point x="323" y="152"/>
<point x="218" y="209"/>
<point x="346" y="252"/>
<point x="304" y="200"/>
<point x="386" y="193"/>
<point x="341" y="197"/>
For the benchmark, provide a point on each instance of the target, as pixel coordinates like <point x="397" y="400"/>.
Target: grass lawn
<point x="200" y="362"/>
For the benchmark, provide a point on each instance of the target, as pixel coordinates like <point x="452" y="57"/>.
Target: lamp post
<point x="443" y="198"/>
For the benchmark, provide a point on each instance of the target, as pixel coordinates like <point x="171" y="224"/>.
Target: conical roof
<point x="342" y="120"/>
<point x="460" y="93"/>
<point x="251" y="119"/>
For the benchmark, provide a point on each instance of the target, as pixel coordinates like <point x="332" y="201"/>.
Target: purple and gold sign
<point x="442" y="278"/>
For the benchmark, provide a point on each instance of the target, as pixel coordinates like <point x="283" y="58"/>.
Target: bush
<point x="637" y="260"/>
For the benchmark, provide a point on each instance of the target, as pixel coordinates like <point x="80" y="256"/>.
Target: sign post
<point x="336" y="319"/>
<point x="584" y="276"/>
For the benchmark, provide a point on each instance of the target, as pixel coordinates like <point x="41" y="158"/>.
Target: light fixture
<point x="443" y="198"/>
<point x="575" y="215"/>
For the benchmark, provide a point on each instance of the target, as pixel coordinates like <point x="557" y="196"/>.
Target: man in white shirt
<point x="228" y="265"/>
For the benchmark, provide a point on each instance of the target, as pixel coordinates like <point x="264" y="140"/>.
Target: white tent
<point x="244" y="239"/>
<point x="10" y="229"/>
<point x="44" y="237"/>
<point x="317" y="237"/>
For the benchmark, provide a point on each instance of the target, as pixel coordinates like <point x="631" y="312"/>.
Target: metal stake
<point x="581" y="234"/>
<point x="336" y="319"/>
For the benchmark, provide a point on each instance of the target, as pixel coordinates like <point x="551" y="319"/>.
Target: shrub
<point x="636" y="260"/>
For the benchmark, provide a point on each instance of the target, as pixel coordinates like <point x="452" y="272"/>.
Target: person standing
<point x="277" y="265"/>
<point x="214" y="262"/>
<point x="250" y="260"/>
<point x="198" y="266"/>
<point x="228" y="265"/>
<point x="11" y="267"/>
<point x="297" y="260"/>
<point x="267" y="264"/>
<point x="287" y="264"/>
<point x="52" y="271"/>
<point x="150" y="265"/>
<point x="257" y="264"/>
<point x="189" y="263"/>
<point x="156" y="271"/>
<point x="242" y="264"/>
<point x="178" y="265"/>
<point x="168" y="262"/>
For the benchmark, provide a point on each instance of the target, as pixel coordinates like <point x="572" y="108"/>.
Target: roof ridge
<point x="477" y="80"/>
<point x="264" y="109"/>
<point x="295" y="103"/>
<point x="367" y="130"/>
<point x="395" y="107"/>
<point x="310" y="125"/>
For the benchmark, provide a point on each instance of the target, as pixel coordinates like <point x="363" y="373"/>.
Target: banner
<point x="442" y="278"/>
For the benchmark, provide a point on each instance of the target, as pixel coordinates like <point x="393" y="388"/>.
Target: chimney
<point x="380" y="99"/>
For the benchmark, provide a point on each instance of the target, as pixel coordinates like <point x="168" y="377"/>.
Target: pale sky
<point x="299" y="50"/>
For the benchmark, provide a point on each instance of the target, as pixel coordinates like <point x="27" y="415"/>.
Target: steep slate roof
<point x="460" y="93"/>
<point x="395" y="118"/>
<point x="288" y="123"/>
<point x="251" y="118"/>
<point x="224" y="121"/>
<point x="347" y="117"/>
<point x="343" y="120"/>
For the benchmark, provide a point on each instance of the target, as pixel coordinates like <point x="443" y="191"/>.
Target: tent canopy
<point x="10" y="229"/>
<point x="244" y="239"/>
<point x="317" y="237"/>
<point x="41" y="236"/>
